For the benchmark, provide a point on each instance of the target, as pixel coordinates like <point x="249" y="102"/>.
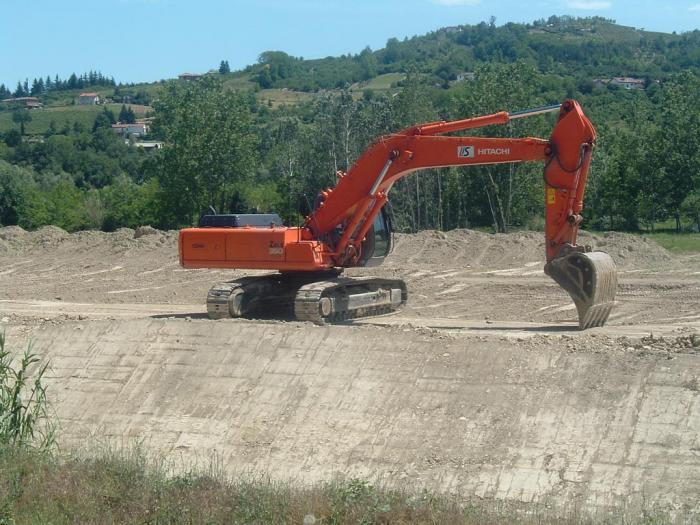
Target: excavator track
<point x="305" y="297"/>
<point x="344" y="298"/>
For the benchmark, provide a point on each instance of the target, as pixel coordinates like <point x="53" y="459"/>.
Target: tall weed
<point x="24" y="413"/>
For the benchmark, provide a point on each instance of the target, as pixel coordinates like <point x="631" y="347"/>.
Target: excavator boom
<point x="342" y="231"/>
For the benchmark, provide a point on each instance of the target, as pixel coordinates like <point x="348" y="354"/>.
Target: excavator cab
<point x="378" y="241"/>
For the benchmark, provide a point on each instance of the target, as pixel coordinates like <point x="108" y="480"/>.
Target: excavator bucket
<point x="591" y="281"/>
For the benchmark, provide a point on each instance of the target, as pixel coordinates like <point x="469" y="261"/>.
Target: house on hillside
<point x="136" y="129"/>
<point x="27" y="102"/>
<point x="190" y="76"/>
<point x="628" y="82"/>
<point x="87" y="99"/>
<point x="467" y="75"/>
<point x="148" y="145"/>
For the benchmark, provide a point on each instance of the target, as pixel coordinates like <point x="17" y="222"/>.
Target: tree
<point x="21" y="117"/>
<point x="103" y="120"/>
<point x="11" y="179"/>
<point x="224" y="67"/>
<point x="13" y="138"/>
<point x="210" y="151"/>
<point x="691" y="208"/>
<point x="37" y="87"/>
<point x="677" y="141"/>
<point x="127" y="115"/>
<point x="513" y="192"/>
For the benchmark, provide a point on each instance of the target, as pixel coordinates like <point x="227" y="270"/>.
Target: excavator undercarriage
<point x="316" y="297"/>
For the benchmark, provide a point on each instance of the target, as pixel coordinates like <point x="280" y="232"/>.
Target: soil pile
<point x="478" y="250"/>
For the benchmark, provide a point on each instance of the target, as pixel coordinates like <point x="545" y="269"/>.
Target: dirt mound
<point x="14" y="239"/>
<point x="145" y="230"/>
<point x="12" y="236"/>
<point x="468" y="248"/>
<point x="453" y="249"/>
<point x="478" y="250"/>
<point x="48" y="236"/>
<point x="629" y="251"/>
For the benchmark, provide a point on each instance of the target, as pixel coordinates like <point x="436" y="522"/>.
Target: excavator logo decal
<point x="276" y="248"/>
<point x="494" y="151"/>
<point x="465" y="152"/>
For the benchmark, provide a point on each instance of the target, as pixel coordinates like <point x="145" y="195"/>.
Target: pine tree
<point x="19" y="92"/>
<point x="36" y="89"/>
<point x="127" y="115"/>
<point x="224" y="67"/>
<point x="48" y="85"/>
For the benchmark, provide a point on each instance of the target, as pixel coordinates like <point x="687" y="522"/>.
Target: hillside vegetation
<point x="274" y="134"/>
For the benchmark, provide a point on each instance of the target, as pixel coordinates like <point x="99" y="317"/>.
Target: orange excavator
<point x="350" y="226"/>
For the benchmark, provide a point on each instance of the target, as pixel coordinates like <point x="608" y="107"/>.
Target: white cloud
<point x="695" y="7"/>
<point x="588" y="4"/>
<point x="455" y="2"/>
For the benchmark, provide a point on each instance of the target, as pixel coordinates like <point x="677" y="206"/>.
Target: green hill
<point x="573" y="50"/>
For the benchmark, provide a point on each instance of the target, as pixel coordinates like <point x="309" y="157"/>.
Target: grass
<point x="279" y="97"/>
<point x="677" y="242"/>
<point x="85" y="115"/>
<point x="126" y="487"/>
<point x="380" y="82"/>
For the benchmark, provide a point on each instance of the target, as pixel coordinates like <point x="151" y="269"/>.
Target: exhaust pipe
<point x="591" y="281"/>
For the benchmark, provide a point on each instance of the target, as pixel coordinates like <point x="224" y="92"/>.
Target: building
<point x="628" y="82"/>
<point x="27" y="102"/>
<point x="136" y="129"/>
<point x="467" y="75"/>
<point x="190" y="76"/>
<point x="148" y="145"/>
<point x="86" y="99"/>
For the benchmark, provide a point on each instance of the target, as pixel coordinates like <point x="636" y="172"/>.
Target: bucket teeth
<point x="591" y="281"/>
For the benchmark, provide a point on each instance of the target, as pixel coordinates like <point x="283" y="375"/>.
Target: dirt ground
<point x="482" y="386"/>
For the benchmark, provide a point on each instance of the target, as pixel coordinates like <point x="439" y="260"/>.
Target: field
<point x="62" y="115"/>
<point x="279" y="97"/>
<point x="482" y="387"/>
<point x="677" y="243"/>
<point x="379" y="83"/>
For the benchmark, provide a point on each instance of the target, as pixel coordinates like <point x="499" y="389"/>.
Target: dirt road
<point x="481" y="386"/>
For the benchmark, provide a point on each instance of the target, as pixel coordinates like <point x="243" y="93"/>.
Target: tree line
<point x="40" y="86"/>
<point x="224" y="149"/>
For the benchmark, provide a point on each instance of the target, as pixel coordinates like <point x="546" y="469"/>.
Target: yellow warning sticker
<point x="551" y="195"/>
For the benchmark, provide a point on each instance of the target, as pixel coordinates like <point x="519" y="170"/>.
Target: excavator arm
<point x="336" y="232"/>
<point x="360" y="193"/>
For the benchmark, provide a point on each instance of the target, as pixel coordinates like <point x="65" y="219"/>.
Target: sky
<point x="149" y="40"/>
